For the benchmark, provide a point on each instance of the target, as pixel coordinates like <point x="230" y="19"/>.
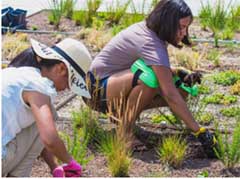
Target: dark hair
<point x="164" y="20"/>
<point x="29" y="58"/>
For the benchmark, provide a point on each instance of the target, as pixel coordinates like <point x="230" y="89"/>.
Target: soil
<point x="145" y="163"/>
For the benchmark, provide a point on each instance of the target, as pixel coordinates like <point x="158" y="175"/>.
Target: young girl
<point x="167" y="24"/>
<point x="28" y="115"/>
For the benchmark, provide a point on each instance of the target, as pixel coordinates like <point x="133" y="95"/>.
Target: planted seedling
<point x="170" y="119"/>
<point x="172" y="151"/>
<point x="56" y="13"/>
<point x="68" y="8"/>
<point x="230" y="112"/>
<point x="220" y="98"/>
<point x="228" y="150"/>
<point x="206" y="118"/>
<point x="214" y="56"/>
<point x="227" y="78"/>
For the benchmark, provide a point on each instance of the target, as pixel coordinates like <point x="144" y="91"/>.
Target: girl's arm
<point x="173" y="98"/>
<point x="41" y="108"/>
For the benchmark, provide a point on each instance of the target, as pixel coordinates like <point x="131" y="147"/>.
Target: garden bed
<point x="146" y="163"/>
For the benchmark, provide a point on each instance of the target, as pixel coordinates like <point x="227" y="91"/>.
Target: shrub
<point x="227" y="78"/>
<point x="231" y="112"/>
<point x="228" y="152"/>
<point x="13" y="44"/>
<point x="172" y="151"/>
<point x="234" y="18"/>
<point x="235" y="89"/>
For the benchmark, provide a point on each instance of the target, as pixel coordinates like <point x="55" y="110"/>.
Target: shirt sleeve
<point x="154" y="52"/>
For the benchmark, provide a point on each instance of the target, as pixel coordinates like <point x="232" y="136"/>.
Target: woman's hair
<point x="164" y="20"/>
<point x="29" y="58"/>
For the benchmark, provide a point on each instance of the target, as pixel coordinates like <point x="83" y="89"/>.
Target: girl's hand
<point x="58" y="172"/>
<point x="72" y="169"/>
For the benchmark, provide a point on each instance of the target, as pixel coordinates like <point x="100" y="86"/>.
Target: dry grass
<point x="95" y="38"/>
<point x="13" y="44"/>
<point x="187" y="57"/>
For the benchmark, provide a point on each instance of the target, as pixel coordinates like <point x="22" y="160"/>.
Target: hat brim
<point x="77" y="83"/>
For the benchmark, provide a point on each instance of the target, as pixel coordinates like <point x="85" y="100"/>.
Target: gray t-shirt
<point x="137" y="41"/>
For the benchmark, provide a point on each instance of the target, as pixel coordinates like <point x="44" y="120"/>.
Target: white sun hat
<point x="76" y="57"/>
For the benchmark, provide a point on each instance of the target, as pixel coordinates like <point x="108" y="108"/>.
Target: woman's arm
<point x="41" y="108"/>
<point x="173" y="98"/>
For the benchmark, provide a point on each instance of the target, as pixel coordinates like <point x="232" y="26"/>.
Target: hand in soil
<point x="208" y="142"/>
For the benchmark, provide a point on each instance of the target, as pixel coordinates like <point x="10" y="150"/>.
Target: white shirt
<point x="16" y="115"/>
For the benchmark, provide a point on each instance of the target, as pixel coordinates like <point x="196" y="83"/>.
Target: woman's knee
<point x="147" y="91"/>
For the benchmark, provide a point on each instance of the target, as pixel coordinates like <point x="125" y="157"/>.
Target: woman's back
<point x="137" y="41"/>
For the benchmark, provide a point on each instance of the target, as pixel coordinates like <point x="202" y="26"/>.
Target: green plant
<point x="86" y="120"/>
<point x="171" y="119"/>
<point x="228" y="152"/>
<point x="214" y="56"/>
<point x="81" y="18"/>
<point x="116" y="10"/>
<point x="172" y="151"/>
<point x="203" y="174"/>
<point x="204" y="14"/>
<point x="231" y="112"/>
<point x="220" y="98"/>
<point x="68" y="8"/>
<point x="93" y="6"/>
<point x="118" y="156"/>
<point x="203" y="89"/>
<point x="56" y="12"/>
<point x="215" y="17"/>
<point x="206" y="118"/>
<point x="227" y="78"/>
<point x="234" y="18"/>
<point x="34" y="27"/>
<point x="227" y="34"/>
<point x="235" y="89"/>
<point x="77" y="146"/>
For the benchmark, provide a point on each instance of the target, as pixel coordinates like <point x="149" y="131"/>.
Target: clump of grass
<point x="68" y="8"/>
<point x="230" y="112"/>
<point x="234" y="18"/>
<point x="86" y="120"/>
<point x="117" y="147"/>
<point x="203" y="174"/>
<point x="206" y="118"/>
<point x="187" y="58"/>
<point x="235" y="89"/>
<point x="81" y="18"/>
<point x="56" y="13"/>
<point x="228" y="152"/>
<point x="77" y="146"/>
<point x="13" y="44"/>
<point x="220" y="98"/>
<point x="95" y="38"/>
<point x="117" y="153"/>
<point x="227" y="78"/>
<point x="116" y="10"/>
<point x="204" y="14"/>
<point x="214" y="56"/>
<point x="172" y="151"/>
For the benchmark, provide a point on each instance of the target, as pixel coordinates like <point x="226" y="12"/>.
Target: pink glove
<point x="72" y="169"/>
<point x="58" y="172"/>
